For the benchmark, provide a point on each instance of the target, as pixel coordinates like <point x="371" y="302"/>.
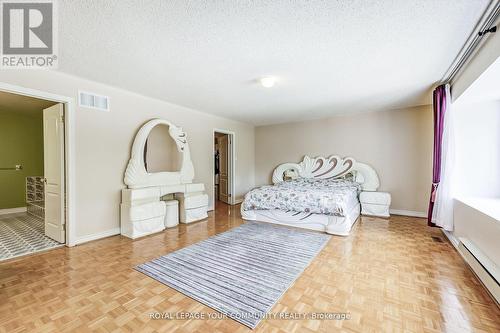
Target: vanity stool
<point x="171" y="213"/>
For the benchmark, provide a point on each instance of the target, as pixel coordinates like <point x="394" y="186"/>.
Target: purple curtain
<point x="439" y="103"/>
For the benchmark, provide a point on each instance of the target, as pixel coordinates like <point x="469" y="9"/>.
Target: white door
<point x="53" y="157"/>
<point x="223" y="169"/>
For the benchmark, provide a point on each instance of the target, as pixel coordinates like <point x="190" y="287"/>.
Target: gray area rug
<point x="242" y="272"/>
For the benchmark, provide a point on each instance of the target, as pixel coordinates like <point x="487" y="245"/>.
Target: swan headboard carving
<point x="330" y="167"/>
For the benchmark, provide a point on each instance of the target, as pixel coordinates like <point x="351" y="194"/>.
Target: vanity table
<point x="144" y="201"/>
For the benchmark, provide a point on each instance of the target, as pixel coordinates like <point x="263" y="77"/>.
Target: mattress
<point x="335" y="197"/>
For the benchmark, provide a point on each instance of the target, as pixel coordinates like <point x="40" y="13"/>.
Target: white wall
<point x="162" y="153"/>
<point x="104" y="139"/>
<point x="477" y="148"/>
<point x="487" y="53"/>
<point x="477" y="128"/>
<point x="484" y="232"/>
<point x="397" y="143"/>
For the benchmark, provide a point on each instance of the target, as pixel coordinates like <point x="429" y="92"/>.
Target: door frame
<point x="232" y="165"/>
<point x="69" y="150"/>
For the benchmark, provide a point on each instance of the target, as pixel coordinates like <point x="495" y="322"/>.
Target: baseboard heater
<point x="486" y="270"/>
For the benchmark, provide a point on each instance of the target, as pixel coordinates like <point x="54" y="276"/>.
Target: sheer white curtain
<point x="442" y="215"/>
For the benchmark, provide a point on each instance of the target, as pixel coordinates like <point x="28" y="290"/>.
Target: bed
<point x="320" y="193"/>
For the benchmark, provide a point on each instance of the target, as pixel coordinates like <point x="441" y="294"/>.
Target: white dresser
<point x="143" y="211"/>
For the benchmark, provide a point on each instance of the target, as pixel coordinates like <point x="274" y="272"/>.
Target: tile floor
<point x="22" y="234"/>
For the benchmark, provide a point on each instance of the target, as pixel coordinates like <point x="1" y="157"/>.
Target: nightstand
<point x="375" y="203"/>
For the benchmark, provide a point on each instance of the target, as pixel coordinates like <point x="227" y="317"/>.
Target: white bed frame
<point x="322" y="168"/>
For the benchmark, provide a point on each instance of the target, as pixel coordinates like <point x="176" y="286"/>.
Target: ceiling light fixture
<point x="268" y="81"/>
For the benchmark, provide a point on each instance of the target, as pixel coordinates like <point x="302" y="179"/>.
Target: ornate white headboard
<point x="330" y="167"/>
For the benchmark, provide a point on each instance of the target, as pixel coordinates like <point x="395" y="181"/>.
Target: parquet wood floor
<point x="389" y="276"/>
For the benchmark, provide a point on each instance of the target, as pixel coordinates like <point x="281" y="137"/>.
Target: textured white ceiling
<point x="330" y="56"/>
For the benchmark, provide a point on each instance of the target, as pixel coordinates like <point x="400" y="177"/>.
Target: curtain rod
<point x="485" y="23"/>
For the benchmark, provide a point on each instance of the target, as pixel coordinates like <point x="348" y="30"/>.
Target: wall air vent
<point x="93" y="101"/>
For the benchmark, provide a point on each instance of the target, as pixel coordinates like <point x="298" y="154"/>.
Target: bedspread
<point x="310" y="195"/>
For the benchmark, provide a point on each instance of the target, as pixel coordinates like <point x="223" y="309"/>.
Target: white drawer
<point x="375" y="210"/>
<point x="377" y="198"/>
<point x="140" y="194"/>
<point x="196" y="201"/>
<point x="196" y="187"/>
<point x="144" y="212"/>
<point x="195" y="214"/>
<point x="142" y="228"/>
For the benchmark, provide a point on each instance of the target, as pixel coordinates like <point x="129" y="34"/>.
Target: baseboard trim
<point x="99" y="235"/>
<point x="238" y="201"/>
<point x="407" y="213"/>
<point x="453" y="240"/>
<point x="485" y="270"/>
<point x="12" y="210"/>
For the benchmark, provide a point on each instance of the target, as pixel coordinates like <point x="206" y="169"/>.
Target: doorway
<point x="223" y="142"/>
<point x="32" y="175"/>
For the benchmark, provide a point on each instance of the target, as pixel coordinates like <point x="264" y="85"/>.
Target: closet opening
<point x="32" y="175"/>
<point x="223" y="142"/>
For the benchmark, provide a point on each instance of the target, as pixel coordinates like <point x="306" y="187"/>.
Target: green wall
<point x="21" y="142"/>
